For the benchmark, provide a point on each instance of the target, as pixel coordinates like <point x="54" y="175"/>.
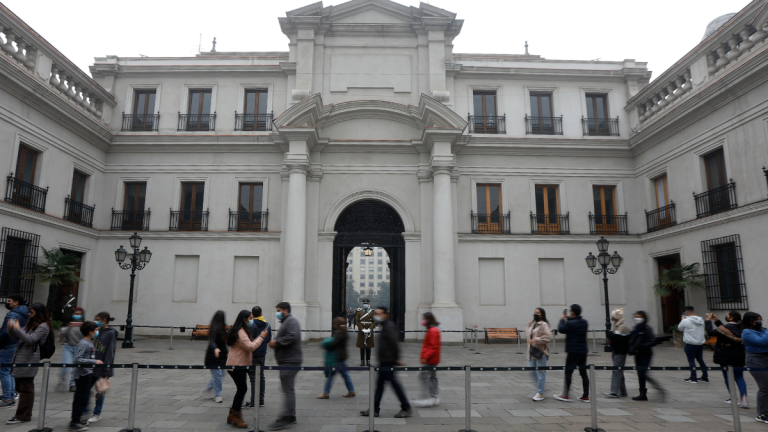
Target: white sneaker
<point x="218" y="399"/>
<point x="94" y="419"/>
<point x="422" y="403"/>
<point x="435" y="401"/>
<point x="538" y="397"/>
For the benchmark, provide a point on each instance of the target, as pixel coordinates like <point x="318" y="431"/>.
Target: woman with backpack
<point x="729" y="350"/>
<point x="336" y="356"/>
<point x="216" y="353"/>
<point x="31" y="337"/>
<point x="105" y="344"/>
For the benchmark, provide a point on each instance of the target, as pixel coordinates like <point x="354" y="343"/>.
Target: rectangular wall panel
<point x="552" y="281"/>
<point x="245" y="283"/>
<point x="492" y="286"/>
<point x="186" y="270"/>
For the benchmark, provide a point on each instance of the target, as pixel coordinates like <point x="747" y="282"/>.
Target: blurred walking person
<point x="71" y="336"/>
<point x="19" y="311"/>
<point x="430" y="356"/>
<point x="538" y="334"/>
<point x="241" y="348"/>
<point x="259" y="325"/>
<point x="287" y="346"/>
<point x="574" y="327"/>
<point x="619" y="339"/>
<point x="729" y="350"/>
<point x="216" y="354"/>
<point x="30" y="337"/>
<point x="755" y="339"/>
<point x="641" y="343"/>
<point x="105" y="344"/>
<point x="336" y="356"/>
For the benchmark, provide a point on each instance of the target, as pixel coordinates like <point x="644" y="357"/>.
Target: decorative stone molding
<point x="373" y="194"/>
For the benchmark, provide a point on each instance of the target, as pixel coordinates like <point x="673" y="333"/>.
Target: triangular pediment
<point x="370" y="12"/>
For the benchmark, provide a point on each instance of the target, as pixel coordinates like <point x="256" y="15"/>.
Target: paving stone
<point x="525" y="413"/>
<point x="676" y="419"/>
<point x="550" y="412"/>
<point x="671" y="411"/>
<point x="462" y="413"/>
<point x="612" y="412"/>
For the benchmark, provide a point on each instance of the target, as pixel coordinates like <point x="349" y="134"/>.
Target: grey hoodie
<point x="693" y="328"/>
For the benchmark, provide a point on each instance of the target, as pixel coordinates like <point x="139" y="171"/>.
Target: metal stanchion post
<point x="43" y="400"/>
<point x="518" y="344"/>
<point x="464" y="337"/>
<point x="735" y="397"/>
<point x="256" y="405"/>
<point x="371" y="392"/>
<point x="467" y="400"/>
<point x="554" y="342"/>
<point x="171" y="347"/>
<point x="132" y="404"/>
<point x="594" y="341"/>
<point x="477" y="350"/>
<point x="593" y="401"/>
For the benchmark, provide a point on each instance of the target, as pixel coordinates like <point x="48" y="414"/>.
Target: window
<point x="485" y="119"/>
<point x="387" y="275"/>
<point x="143" y="111"/>
<point x="26" y="164"/>
<point x="542" y="121"/>
<point x="598" y="122"/>
<point x="605" y="209"/>
<point x="548" y="219"/>
<point x="660" y="186"/>
<point x="379" y="254"/>
<point x="597" y="106"/>
<point x="362" y="261"/>
<point x="370" y="269"/>
<point x="387" y="269"/>
<point x="199" y="116"/>
<point x="379" y="261"/>
<point x="714" y="167"/>
<point x="362" y="252"/>
<point x="724" y="273"/>
<point x="255" y="101"/>
<point x="191" y="215"/>
<point x="362" y="276"/>
<point x="489" y="211"/>
<point x="249" y="215"/>
<point x="21" y="189"/>
<point x="78" y="186"/>
<point x="370" y="260"/>
<point x="18" y="257"/>
<point x="370" y="284"/>
<point x="255" y="117"/>
<point x="135" y="196"/>
<point x="379" y="276"/>
<point x="362" y="284"/>
<point x="378" y="268"/>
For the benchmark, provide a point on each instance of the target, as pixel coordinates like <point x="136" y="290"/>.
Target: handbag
<point x="102" y="385"/>
<point x="536" y="353"/>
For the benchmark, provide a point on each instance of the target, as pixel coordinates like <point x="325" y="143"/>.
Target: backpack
<point x="48" y="346"/>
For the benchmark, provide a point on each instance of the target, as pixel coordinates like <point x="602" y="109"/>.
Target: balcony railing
<point x="25" y="194"/>
<point x="248" y="221"/>
<point x="130" y="220"/>
<point x="488" y="124"/>
<point x="140" y="122"/>
<point x="608" y="224"/>
<point x="717" y="200"/>
<point x="543" y="125"/>
<point x="662" y="217"/>
<point x="600" y="126"/>
<point x="188" y="220"/>
<point x="78" y="212"/>
<point x="550" y="223"/>
<point x="253" y="122"/>
<point x="197" y="122"/>
<point x="494" y="223"/>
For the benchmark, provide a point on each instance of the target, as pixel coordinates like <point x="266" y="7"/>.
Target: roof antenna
<point x="526" y="48"/>
<point x="200" y="44"/>
<point x="214" y="45"/>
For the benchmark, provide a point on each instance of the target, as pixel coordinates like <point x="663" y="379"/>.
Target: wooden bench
<point x="711" y="342"/>
<point x="203" y="330"/>
<point x="501" y="333"/>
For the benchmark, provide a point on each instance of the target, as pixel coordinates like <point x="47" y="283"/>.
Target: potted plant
<point x="57" y="269"/>
<point x="678" y="278"/>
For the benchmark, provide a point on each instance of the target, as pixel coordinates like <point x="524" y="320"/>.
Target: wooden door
<point x="662" y="200"/>
<point x="671" y="305"/>
<point x="489" y="214"/>
<point x="63" y="306"/>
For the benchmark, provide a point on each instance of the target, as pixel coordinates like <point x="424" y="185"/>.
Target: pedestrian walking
<point x="430" y="356"/>
<point x="259" y="325"/>
<point x="694" y="337"/>
<point x="287" y="347"/>
<point x="350" y="317"/>
<point x="71" y="336"/>
<point x="365" y="324"/>
<point x="18" y="311"/>
<point x="105" y="344"/>
<point x="336" y="357"/>
<point x="619" y="340"/>
<point x="729" y="350"/>
<point x="216" y="354"/>
<point x="755" y="339"/>
<point x="241" y="348"/>
<point x="30" y="337"/>
<point x="388" y="353"/>
<point x="574" y="327"/>
<point x="85" y="354"/>
<point x="641" y="343"/>
<point x="538" y="334"/>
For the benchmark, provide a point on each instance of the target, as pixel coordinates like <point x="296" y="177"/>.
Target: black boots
<point x="642" y="396"/>
<point x="362" y="362"/>
<point x="369" y="363"/>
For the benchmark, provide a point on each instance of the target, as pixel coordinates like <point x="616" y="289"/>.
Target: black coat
<point x="619" y="343"/>
<point x="641" y="341"/>
<point x="386" y="347"/>
<point x="258" y="327"/>
<point x="216" y="339"/>
<point x="729" y="350"/>
<point x="575" y="331"/>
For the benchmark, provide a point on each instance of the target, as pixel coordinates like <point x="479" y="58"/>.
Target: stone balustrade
<point x="667" y="94"/>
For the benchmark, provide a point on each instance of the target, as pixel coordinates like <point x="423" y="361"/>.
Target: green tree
<point x="57" y="269"/>
<point x="678" y="278"/>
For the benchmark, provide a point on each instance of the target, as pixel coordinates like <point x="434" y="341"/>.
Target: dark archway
<point x="376" y="224"/>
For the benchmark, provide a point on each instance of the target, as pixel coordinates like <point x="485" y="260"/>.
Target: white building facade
<point x="486" y="178"/>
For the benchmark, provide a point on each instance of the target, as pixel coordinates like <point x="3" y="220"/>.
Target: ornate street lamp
<point x="604" y="258"/>
<point x="368" y="251"/>
<point x="138" y="260"/>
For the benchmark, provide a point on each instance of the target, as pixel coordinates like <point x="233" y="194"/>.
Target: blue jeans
<point x="341" y="368"/>
<point x="6" y="356"/>
<point x="215" y="382"/>
<point x="99" y="399"/>
<point x="696" y="352"/>
<point x="539" y="376"/>
<point x="738" y="376"/>
<point x="68" y="356"/>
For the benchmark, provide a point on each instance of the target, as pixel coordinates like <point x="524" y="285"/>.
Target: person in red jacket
<point x="430" y="356"/>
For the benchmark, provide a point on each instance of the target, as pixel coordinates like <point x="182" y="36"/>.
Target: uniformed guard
<point x="365" y="324"/>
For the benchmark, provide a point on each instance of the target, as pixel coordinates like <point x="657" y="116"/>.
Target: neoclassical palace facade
<point x="486" y="178"/>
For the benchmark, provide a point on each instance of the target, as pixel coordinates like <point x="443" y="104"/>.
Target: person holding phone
<point x="241" y="348"/>
<point x="574" y="327"/>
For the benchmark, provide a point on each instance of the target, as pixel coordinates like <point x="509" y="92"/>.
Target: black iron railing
<point x="130" y="220"/>
<point x="197" y="122"/>
<point x="495" y="223"/>
<point x="662" y="217"/>
<point x="488" y="124"/>
<point x="717" y="200"/>
<point x="188" y="220"/>
<point x="600" y="126"/>
<point x="550" y="223"/>
<point x="248" y="221"/>
<point x="608" y="224"/>
<point x="78" y="212"/>
<point x="766" y="174"/>
<point x="724" y="273"/>
<point x="140" y="122"/>
<point x="253" y="122"/>
<point x="543" y="125"/>
<point x="25" y="194"/>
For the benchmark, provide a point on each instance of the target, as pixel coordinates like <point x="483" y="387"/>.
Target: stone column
<point x="443" y="232"/>
<point x="294" y="261"/>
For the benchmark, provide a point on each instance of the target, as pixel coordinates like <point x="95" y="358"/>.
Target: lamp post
<point x="604" y="258"/>
<point x="138" y="260"/>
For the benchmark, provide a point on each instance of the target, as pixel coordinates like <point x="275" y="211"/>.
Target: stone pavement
<point x="170" y="400"/>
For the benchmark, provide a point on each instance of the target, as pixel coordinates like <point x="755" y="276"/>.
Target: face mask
<point x="639" y="320"/>
<point x="97" y="333"/>
<point x="8" y="306"/>
<point x="378" y="319"/>
<point x="536" y="317"/>
<point x="77" y="317"/>
<point x="250" y="323"/>
<point x="424" y="323"/>
<point x="758" y="324"/>
<point x="99" y="324"/>
<point x="279" y="315"/>
<point x="365" y="306"/>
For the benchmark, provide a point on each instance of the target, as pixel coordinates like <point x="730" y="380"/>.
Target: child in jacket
<point x="85" y="354"/>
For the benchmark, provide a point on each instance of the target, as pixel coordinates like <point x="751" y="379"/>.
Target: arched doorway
<point x="374" y="224"/>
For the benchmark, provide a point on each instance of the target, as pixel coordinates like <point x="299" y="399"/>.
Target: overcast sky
<point x="656" y="31"/>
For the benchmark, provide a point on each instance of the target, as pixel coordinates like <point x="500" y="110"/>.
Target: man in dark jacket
<point x="259" y="325"/>
<point x="575" y="330"/>
<point x="19" y="312"/>
<point x="287" y="347"/>
<point x="388" y="352"/>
